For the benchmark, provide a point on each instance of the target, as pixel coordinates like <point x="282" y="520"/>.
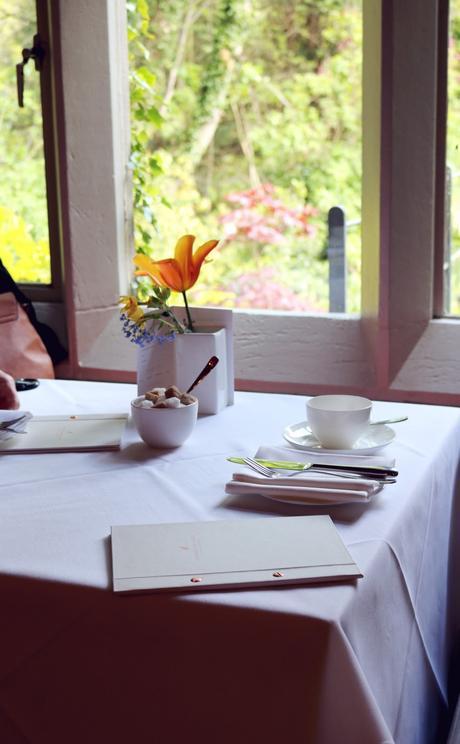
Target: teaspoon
<point x="204" y="372"/>
<point x="388" y="421"/>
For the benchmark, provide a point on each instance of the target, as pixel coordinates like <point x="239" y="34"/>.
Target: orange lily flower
<point x="181" y="272"/>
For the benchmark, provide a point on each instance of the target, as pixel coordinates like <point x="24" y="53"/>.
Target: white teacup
<point x="337" y="421"/>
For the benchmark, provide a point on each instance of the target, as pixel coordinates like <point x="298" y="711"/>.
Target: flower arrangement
<point x="176" y="274"/>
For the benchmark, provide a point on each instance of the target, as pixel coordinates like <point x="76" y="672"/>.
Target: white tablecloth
<point x="357" y="662"/>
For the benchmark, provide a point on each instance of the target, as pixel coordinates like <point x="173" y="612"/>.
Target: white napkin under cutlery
<point x="309" y="487"/>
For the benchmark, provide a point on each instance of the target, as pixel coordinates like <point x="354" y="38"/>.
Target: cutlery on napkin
<point x="308" y="487"/>
<point x="13" y="422"/>
<point x="371" y="471"/>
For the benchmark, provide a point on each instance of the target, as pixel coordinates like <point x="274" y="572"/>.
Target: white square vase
<point x="179" y="362"/>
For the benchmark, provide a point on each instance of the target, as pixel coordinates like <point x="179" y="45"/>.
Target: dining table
<point x="368" y="660"/>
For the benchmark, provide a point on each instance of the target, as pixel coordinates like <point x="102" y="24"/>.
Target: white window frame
<point x="395" y="350"/>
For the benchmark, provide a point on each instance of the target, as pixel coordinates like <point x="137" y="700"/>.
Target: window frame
<point x="417" y="355"/>
<point x="35" y="291"/>
<point x="396" y="349"/>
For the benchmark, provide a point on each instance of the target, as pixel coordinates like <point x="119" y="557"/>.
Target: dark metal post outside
<point x="337" y="259"/>
<point x="447" y="263"/>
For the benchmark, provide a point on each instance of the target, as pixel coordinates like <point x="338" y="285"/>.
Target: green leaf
<point x="146" y="75"/>
<point x="154" y="116"/>
<point x="155" y="167"/>
<point x="146" y="237"/>
<point x="143" y="9"/>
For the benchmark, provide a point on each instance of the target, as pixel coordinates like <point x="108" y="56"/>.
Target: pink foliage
<point x="260" y="289"/>
<point x="262" y="217"/>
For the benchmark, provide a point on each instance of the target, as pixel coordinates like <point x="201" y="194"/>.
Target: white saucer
<point x="373" y="439"/>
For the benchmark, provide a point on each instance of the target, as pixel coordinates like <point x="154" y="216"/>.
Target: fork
<point x="269" y="473"/>
<point x="5" y="425"/>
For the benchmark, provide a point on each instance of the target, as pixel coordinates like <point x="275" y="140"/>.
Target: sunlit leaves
<point x="26" y="258"/>
<point x="24" y="245"/>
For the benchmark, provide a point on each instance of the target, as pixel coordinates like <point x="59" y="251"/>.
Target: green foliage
<point x="278" y="85"/>
<point x="24" y="245"/>
<point x="226" y="32"/>
<point x="26" y="258"/>
<point x="453" y="152"/>
<point x="146" y="118"/>
<point x="225" y="94"/>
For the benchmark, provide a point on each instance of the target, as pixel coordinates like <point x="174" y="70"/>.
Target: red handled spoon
<point x="204" y="372"/>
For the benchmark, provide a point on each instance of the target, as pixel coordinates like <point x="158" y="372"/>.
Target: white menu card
<point x="212" y="555"/>
<point x="78" y="433"/>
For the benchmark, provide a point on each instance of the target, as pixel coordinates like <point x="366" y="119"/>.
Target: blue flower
<point x="139" y="335"/>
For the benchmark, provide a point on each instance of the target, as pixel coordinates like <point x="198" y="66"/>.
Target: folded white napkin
<point x="313" y="493"/>
<point x="308" y="487"/>
<point x="17" y="428"/>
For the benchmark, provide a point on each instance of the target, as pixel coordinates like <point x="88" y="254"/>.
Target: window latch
<point x="36" y="53"/>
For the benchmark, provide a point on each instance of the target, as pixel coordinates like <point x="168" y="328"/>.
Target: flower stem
<point x="189" y="317"/>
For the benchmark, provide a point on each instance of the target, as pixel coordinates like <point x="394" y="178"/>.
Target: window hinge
<point x="37" y="53"/>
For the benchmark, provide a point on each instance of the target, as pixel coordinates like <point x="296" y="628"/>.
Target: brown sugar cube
<point x="172" y="392"/>
<point x="152" y="396"/>
<point x="186" y="399"/>
<point x="161" y="404"/>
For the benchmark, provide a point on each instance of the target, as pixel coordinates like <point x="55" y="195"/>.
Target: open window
<point x="246" y="126"/>
<point x="30" y="244"/>
<point x="396" y="348"/>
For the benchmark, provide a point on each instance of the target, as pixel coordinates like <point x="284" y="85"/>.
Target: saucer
<point x="373" y="439"/>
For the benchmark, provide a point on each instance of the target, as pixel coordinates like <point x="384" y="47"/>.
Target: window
<point x="27" y="204"/>
<point x="246" y="124"/>
<point x="395" y="349"/>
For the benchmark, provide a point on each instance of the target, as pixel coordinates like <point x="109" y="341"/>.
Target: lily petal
<point x="170" y="272"/>
<point x="198" y="258"/>
<point x="183" y="256"/>
<point x="165" y="273"/>
<point x="147" y="267"/>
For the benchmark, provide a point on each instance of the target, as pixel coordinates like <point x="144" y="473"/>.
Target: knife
<point x="378" y="470"/>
